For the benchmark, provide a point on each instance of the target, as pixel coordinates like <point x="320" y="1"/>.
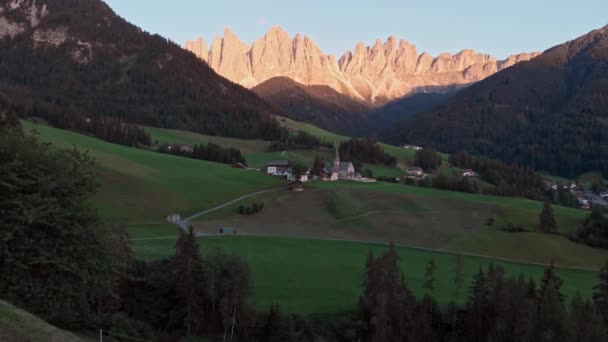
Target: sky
<point x="500" y="28"/>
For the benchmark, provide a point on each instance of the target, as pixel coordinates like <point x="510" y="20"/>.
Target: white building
<point x="277" y="168"/>
<point x="412" y="147"/>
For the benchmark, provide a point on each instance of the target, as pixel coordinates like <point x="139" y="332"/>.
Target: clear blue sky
<point x="499" y="28"/>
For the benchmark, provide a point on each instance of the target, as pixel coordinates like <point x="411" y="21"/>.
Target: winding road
<point x="183" y="224"/>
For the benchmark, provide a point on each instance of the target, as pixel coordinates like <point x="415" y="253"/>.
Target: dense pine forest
<point x="365" y="150"/>
<point x="548" y="113"/>
<point x="82" y="59"/>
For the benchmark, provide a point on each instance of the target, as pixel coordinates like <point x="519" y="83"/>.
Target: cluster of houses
<point x="586" y="199"/>
<point x="339" y="170"/>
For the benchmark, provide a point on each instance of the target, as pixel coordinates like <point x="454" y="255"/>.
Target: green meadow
<point x="323" y="277"/>
<point x="141" y="187"/>
<point x="144" y="186"/>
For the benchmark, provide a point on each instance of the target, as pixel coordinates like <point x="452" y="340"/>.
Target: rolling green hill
<point x="314" y="275"/>
<point x="144" y="186"/>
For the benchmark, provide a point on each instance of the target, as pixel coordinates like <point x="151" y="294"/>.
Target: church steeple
<point x="337" y="161"/>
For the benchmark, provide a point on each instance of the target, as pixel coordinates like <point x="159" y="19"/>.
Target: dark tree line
<point x="428" y="159"/>
<point x="210" y="152"/>
<point x="365" y="150"/>
<point x="499" y="308"/>
<point x="515" y="180"/>
<point x="300" y="140"/>
<point x="594" y="231"/>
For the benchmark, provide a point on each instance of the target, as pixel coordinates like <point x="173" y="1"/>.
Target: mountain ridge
<point x="375" y="74"/>
<point x="66" y="60"/>
<point x="548" y="113"/>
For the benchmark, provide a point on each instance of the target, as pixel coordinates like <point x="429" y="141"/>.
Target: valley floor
<point x="293" y="246"/>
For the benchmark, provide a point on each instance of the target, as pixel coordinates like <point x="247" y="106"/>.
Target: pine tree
<point x="585" y="323"/>
<point x="600" y="297"/>
<point x="190" y="281"/>
<point x="550" y="278"/>
<point x="429" y="277"/>
<point x="477" y="320"/>
<point x="551" y="316"/>
<point x="547" y="223"/>
<point x="318" y="166"/>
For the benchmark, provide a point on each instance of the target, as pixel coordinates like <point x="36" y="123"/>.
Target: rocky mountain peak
<point x="384" y="71"/>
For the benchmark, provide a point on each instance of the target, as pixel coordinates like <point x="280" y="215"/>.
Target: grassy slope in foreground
<point x="144" y="186"/>
<point x="321" y="276"/>
<point x="18" y="325"/>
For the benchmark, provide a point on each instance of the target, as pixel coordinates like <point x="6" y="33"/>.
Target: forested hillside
<point x="548" y="113"/>
<point x="66" y="60"/>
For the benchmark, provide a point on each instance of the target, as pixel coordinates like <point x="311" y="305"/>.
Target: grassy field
<point x="163" y="136"/>
<point x="18" y="325"/>
<point x="322" y="276"/>
<point x="143" y="186"/>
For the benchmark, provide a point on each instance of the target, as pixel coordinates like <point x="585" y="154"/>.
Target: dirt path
<point x="183" y="224"/>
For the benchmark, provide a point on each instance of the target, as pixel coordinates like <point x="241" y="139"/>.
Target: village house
<point x="415" y="171"/>
<point x="328" y="175"/>
<point x="469" y="173"/>
<point x="277" y="168"/>
<point x="176" y="148"/>
<point x="412" y="147"/>
<point x="302" y="177"/>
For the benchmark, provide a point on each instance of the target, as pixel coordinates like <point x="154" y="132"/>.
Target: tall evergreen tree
<point x="190" y="282"/>
<point x="550" y="278"/>
<point x="429" y="277"/>
<point x="585" y="323"/>
<point x="478" y="320"/>
<point x="551" y="315"/>
<point x="600" y="297"/>
<point x="547" y="223"/>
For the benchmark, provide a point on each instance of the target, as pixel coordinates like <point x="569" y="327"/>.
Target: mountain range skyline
<point x="374" y="74"/>
<point x="434" y="27"/>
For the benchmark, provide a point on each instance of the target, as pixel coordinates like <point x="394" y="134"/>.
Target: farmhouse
<point x="469" y="173"/>
<point x="328" y="175"/>
<point x="412" y="147"/>
<point x="415" y="171"/>
<point x="277" y="168"/>
<point x="176" y="148"/>
<point x="303" y="177"/>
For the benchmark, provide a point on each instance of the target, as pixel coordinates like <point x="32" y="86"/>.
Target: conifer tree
<point x="477" y="320"/>
<point x="550" y="278"/>
<point x="429" y="277"/>
<point x="547" y="223"/>
<point x="190" y="281"/>
<point x="551" y="315"/>
<point x="585" y="323"/>
<point x="600" y="297"/>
